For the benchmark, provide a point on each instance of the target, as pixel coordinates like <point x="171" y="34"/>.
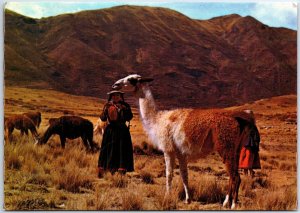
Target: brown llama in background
<point x="70" y="127"/>
<point x="20" y="122"/>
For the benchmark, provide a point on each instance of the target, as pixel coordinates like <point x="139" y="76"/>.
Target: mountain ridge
<point x="223" y="61"/>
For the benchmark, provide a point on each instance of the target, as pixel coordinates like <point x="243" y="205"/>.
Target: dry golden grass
<point x="147" y="177"/>
<point x="101" y="198"/>
<point x="167" y="202"/>
<point x="50" y="178"/>
<point x="132" y="201"/>
<point x="118" y="180"/>
<point x="208" y="190"/>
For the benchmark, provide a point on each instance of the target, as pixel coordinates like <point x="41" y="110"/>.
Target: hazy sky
<point x="276" y="14"/>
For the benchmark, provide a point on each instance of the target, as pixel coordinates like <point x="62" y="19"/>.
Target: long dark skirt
<point x="116" y="149"/>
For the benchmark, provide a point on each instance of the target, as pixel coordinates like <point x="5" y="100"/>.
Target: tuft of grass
<point x="13" y="162"/>
<point x="246" y="187"/>
<point x="146" y="177"/>
<point x="39" y="179"/>
<point x="208" y="190"/>
<point x="32" y="204"/>
<point x="12" y="158"/>
<point x="72" y="179"/>
<point x="119" y="181"/>
<point x="166" y="202"/>
<point x="131" y="201"/>
<point x="261" y="182"/>
<point x="101" y="201"/>
<point x="274" y="163"/>
<point x="288" y="166"/>
<point x="277" y="199"/>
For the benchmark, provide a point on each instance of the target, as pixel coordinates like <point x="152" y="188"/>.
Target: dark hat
<point x="115" y="91"/>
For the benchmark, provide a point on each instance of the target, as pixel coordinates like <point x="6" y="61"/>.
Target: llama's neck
<point x="147" y="107"/>
<point x="49" y="132"/>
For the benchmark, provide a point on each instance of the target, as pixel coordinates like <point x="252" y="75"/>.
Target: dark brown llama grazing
<point x="70" y="127"/>
<point x="36" y="117"/>
<point x="20" y="122"/>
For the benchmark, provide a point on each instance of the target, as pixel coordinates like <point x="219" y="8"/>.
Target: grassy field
<point x="49" y="178"/>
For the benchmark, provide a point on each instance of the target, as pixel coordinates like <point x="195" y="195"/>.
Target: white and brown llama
<point x="188" y="134"/>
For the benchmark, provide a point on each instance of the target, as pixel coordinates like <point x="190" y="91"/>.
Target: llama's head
<point x="131" y="83"/>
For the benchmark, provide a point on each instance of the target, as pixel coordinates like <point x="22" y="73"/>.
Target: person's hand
<point x="113" y="112"/>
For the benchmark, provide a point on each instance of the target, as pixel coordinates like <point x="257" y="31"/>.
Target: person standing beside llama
<point x="116" y="153"/>
<point x="249" y="156"/>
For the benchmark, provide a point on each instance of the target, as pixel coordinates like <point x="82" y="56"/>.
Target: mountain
<point x="219" y="62"/>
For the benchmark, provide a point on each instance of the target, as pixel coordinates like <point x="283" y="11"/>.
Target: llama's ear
<point x="145" y="80"/>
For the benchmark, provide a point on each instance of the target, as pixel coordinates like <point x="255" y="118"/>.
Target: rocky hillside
<point x="219" y="62"/>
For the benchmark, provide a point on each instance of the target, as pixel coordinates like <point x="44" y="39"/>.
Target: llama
<point x="70" y="127"/>
<point x="20" y="122"/>
<point x="36" y="117"/>
<point x="188" y="134"/>
<point x="100" y="127"/>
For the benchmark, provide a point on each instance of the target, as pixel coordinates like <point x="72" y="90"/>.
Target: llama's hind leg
<point x="26" y="132"/>
<point x="184" y="176"/>
<point x="228" y="198"/>
<point x="94" y="147"/>
<point x="9" y="132"/>
<point x="10" y="136"/>
<point x="170" y="162"/>
<point x="233" y="187"/>
<point x="23" y="131"/>
<point x="236" y="186"/>
<point x="85" y="142"/>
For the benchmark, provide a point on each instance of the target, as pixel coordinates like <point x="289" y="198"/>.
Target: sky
<point x="272" y="13"/>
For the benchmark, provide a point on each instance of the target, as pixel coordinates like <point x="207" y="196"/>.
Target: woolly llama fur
<point x="188" y="134"/>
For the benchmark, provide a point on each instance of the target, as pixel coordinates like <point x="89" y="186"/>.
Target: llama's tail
<point x="244" y="123"/>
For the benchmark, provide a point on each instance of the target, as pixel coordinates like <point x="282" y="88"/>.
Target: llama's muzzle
<point x="116" y="86"/>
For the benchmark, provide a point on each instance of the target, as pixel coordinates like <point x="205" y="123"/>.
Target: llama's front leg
<point x="62" y="141"/>
<point x="184" y="176"/>
<point x="22" y="132"/>
<point x="170" y="161"/>
<point x="236" y="186"/>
